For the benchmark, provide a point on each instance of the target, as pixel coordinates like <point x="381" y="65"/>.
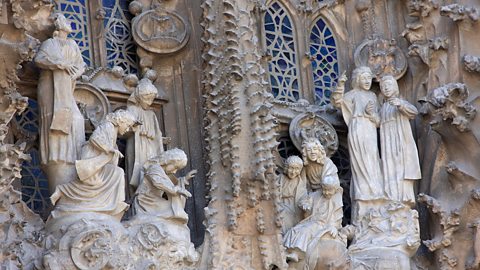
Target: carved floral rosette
<point x="312" y="125"/>
<point x="158" y="243"/>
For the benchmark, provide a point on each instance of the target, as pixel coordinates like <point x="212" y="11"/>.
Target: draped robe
<point x="62" y="130"/>
<point x="400" y="161"/>
<point x="293" y="190"/>
<point x="100" y="186"/>
<point x="362" y="144"/>
<point x="147" y="142"/>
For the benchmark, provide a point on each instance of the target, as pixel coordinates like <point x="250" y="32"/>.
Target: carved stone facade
<point x="239" y="134"/>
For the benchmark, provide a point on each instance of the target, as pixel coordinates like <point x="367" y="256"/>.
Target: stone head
<point x="293" y="166"/>
<point x="173" y="160"/>
<point x="362" y="78"/>
<point x="145" y="92"/>
<point x="313" y="151"/>
<point x="123" y="120"/>
<point x="330" y="186"/>
<point x="62" y="24"/>
<point x="389" y="86"/>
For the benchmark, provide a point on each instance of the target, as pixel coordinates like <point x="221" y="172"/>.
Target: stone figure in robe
<point x="294" y="188"/>
<point x="360" y="108"/>
<point x="100" y="185"/>
<point x="317" y="165"/>
<point x="320" y="227"/>
<point x="62" y="130"/>
<point x="161" y="193"/>
<point x="400" y="163"/>
<point x="147" y="141"/>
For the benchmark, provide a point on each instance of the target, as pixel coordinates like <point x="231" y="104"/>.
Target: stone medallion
<point x="160" y="31"/>
<point x="308" y="125"/>
<point x="382" y="56"/>
<point x="93" y="104"/>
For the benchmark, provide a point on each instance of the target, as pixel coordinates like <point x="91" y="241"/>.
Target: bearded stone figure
<point x="62" y="130"/>
<point x="359" y="108"/>
<point x="148" y="141"/>
<point x="400" y="161"/>
<point x="100" y="186"/>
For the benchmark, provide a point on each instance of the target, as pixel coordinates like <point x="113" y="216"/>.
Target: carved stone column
<point x="243" y="225"/>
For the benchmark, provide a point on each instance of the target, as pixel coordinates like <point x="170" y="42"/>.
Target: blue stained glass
<point x="121" y="50"/>
<point x="325" y="62"/>
<point x="34" y="182"/>
<point x="280" y="40"/>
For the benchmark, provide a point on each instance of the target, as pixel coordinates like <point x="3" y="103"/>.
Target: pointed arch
<point x="323" y="50"/>
<point x="280" y="40"/>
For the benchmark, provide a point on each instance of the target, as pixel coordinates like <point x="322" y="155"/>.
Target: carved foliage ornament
<point x="160" y="31"/>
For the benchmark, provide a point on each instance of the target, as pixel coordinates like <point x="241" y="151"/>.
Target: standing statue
<point x="294" y="188"/>
<point x="62" y="130"/>
<point x="100" y="186"/>
<point x="147" y="142"/>
<point x="400" y="161"/>
<point x="318" y="166"/>
<point x="360" y="112"/>
<point x="161" y="193"/>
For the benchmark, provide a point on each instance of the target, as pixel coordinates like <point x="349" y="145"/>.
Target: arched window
<point x="280" y="41"/>
<point x="121" y="51"/>
<point x="323" y="51"/>
<point x="116" y="46"/>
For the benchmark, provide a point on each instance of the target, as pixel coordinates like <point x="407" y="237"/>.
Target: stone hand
<point x="183" y="192"/>
<point x="333" y="231"/>
<point x="370" y="109"/>
<point x="190" y="175"/>
<point x="395" y="102"/>
<point x="343" y="78"/>
<point x="117" y="153"/>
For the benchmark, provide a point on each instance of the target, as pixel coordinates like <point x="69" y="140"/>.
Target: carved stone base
<point x="158" y="243"/>
<point x="87" y="241"/>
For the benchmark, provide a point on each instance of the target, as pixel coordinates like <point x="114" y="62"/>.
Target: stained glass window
<point x="34" y="182"/>
<point x="324" y="64"/>
<point x="280" y="41"/>
<point x="76" y="12"/>
<point x="121" y="50"/>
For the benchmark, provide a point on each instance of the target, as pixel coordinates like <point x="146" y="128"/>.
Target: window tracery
<point x="323" y="52"/>
<point x="280" y="41"/>
<point x="121" y="51"/>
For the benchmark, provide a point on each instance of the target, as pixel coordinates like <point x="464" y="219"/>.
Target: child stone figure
<point x="160" y="180"/>
<point x="400" y="161"/>
<point x="294" y="188"/>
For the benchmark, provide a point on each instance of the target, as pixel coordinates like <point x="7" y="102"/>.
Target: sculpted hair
<point x="61" y="23"/>
<point x="311" y="142"/>
<point x="172" y="155"/>
<point x="120" y="117"/>
<point x="293" y="160"/>
<point x="356" y="74"/>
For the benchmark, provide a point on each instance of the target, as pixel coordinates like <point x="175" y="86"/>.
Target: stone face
<point x="271" y="179"/>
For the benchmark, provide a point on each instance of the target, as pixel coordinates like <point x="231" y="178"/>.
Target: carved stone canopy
<point x="311" y="125"/>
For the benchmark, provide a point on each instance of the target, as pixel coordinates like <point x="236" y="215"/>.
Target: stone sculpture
<point x="360" y="111"/>
<point x="160" y="181"/>
<point x="400" y="161"/>
<point x="147" y="142"/>
<point x="321" y="227"/>
<point x="318" y="166"/>
<point x="294" y="188"/>
<point x="100" y="186"/>
<point x="62" y="125"/>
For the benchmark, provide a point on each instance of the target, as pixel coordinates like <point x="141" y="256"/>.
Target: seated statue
<point x="100" y="186"/>
<point x="294" y="188"/>
<point x="161" y="193"/>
